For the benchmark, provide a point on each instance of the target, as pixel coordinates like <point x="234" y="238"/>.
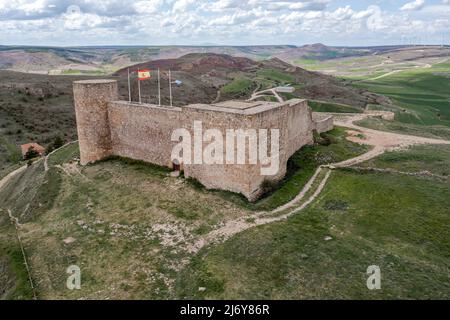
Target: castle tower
<point x="91" y="99"/>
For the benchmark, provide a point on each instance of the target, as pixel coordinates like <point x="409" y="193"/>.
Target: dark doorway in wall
<point x="176" y="165"/>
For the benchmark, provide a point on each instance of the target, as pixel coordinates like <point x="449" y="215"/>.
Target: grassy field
<point x="115" y="210"/>
<point x="321" y="106"/>
<point x="64" y="155"/>
<point x="10" y="154"/>
<point x="264" y="78"/>
<point x="14" y="282"/>
<point x="419" y="89"/>
<point x="240" y="85"/>
<point x="425" y="93"/>
<point x="431" y="158"/>
<point x="275" y="76"/>
<point x="438" y="131"/>
<point x="423" y="96"/>
<point x="85" y="72"/>
<point x="130" y="238"/>
<point x="398" y="223"/>
<point x="332" y="64"/>
<point x="132" y="241"/>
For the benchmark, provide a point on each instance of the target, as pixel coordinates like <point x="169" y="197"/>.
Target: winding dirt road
<point x="381" y="142"/>
<point x="11" y="175"/>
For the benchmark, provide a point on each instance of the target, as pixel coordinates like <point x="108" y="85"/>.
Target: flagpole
<point x="129" y="86"/>
<point x="170" y="87"/>
<point x="150" y="91"/>
<point x="159" y="89"/>
<point x="139" y="88"/>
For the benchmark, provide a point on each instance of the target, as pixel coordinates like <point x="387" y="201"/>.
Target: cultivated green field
<point x="438" y="131"/>
<point x="264" y="78"/>
<point x="416" y="80"/>
<point x="424" y="94"/>
<point x="240" y="85"/>
<point x="420" y="99"/>
<point x="321" y="106"/>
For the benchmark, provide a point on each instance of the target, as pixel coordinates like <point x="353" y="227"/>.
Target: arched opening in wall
<point x="176" y="165"/>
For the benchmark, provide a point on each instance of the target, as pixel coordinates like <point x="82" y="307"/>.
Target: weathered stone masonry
<point x="108" y="127"/>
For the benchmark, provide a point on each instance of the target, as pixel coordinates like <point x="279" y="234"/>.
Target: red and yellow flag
<point x="144" y="74"/>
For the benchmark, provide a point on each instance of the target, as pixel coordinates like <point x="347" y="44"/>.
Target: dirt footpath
<point x="380" y="140"/>
<point x="11" y="175"/>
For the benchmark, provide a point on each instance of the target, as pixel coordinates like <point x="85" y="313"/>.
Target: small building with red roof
<point x="36" y="147"/>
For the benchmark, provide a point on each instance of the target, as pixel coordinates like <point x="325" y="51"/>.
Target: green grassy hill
<point x="130" y="227"/>
<point x="432" y="159"/>
<point x="322" y="106"/>
<point x="132" y="223"/>
<point x="424" y="92"/>
<point x="395" y="222"/>
<point x="422" y="97"/>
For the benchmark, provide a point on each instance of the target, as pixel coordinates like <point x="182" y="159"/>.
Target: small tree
<point x="58" y="142"/>
<point x="31" y="154"/>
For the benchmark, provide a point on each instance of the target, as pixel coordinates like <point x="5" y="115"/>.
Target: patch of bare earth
<point x="131" y="231"/>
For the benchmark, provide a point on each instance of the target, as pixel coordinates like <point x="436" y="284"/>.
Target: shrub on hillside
<point x="58" y="142"/>
<point x="31" y="154"/>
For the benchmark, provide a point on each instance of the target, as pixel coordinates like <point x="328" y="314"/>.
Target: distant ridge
<point x="107" y="59"/>
<point x="219" y="70"/>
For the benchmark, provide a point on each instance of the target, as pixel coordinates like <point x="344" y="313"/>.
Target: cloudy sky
<point x="224" y="22"/>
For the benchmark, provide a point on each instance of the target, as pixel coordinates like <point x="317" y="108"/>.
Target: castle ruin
<point x="107" y="126"/>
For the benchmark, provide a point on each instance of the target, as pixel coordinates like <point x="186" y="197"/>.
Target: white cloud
<point x="216" y="21"/>
<point x="239" y="17"/>
<point x="437" y="10"/>
<point x="306" y="5"/>
<point x="182" y="5"/>
<point x="148" y="6"/>
<point x="414" y="5"/>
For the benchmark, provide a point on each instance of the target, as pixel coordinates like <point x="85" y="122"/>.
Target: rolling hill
<point x="107" y="59"/>
<point x="319" y="51"/>
<point x="35" y="107"/>
<point x="132" y="228"/>
<point x="237" y="77"/>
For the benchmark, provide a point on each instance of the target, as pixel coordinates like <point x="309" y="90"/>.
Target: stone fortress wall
<point x="323" y="122"/>
<point x="107" y="126"/>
